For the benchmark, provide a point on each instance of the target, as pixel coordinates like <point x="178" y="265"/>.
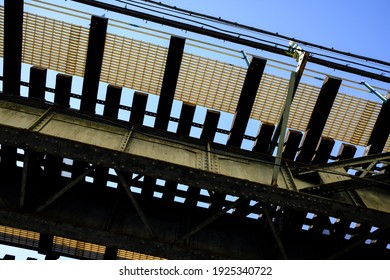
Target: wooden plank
<point x="138" y="108"/>
<point x="291" y="145"/>
<point x="13" y="36"/>
<point x="186" y="116"/>
<point x="324" y="150"/>
<point x="263" y="138"/>
<point x="168" y="87"/>
<point x="37" y="86"/>
<point x="113" y="98"/>
<point x="318" y="118"/>
<point x="93" y="64"/>
<point x="63" y="90"/>
<point x="245" y="103"/>
<point x="210" y="125"/>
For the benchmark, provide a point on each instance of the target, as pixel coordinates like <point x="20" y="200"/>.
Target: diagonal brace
<point x="285" y="115"/>
<point x="208" y="221"/>
<point x="24" y="179"/>
<point x="64" y="190"/>
<point x="358" y="242"/>
<point x="275" y="233"/>
<point x="141" y="214"/>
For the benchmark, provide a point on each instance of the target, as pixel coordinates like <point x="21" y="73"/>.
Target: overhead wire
<point x="257" y="30"/>
<point x="193" y="14"/>
<point x="215" y="48"/>
<point x="205" y="24"/>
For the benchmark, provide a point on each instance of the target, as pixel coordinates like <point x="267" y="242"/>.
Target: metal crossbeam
<point x="240" y="173"/>
<point x="64" y="190"/>
<point x="209" y="221"/>
<point x="138" y="208"/>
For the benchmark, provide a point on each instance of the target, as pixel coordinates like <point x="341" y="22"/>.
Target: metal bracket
<point x="42" y="120"/>
<point x="302" y="58"/>
<point x="374" y="91"/>
<point x="126" y="139"/>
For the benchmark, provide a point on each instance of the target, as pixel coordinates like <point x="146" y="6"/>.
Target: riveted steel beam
<point x="169" y="157"/>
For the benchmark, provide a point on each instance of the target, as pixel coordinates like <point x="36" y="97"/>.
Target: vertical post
<point x="302" y="60"/>
<point x="283" y="128"/>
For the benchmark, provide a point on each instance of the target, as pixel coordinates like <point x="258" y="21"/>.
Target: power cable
<point x="250" y="28"/>
<point x="348" y="62"/>
<point x="207" y="25"/>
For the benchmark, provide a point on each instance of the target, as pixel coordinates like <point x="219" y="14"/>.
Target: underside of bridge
<point x="94" y="185"/>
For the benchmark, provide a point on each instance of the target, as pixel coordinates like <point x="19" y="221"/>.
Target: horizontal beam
<point x="109" y="238"/>
<point x="156" y="154"/>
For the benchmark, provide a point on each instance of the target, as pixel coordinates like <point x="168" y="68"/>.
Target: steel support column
<point x="283" y="128"/>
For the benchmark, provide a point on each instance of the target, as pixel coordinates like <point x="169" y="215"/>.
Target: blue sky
<point x="360" y="27"/>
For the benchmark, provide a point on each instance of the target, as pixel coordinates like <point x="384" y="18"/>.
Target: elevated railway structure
<point x="84" y="181"/>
